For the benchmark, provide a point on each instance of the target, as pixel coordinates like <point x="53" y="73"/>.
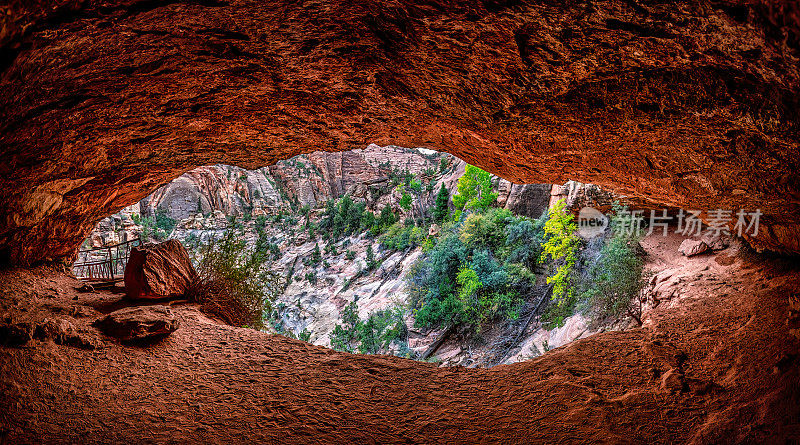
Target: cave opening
<point x="343" y="249"/>
<point x="693" y="107"/>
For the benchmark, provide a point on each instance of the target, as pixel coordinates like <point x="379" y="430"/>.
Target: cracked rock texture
<point x="691" y="104"/>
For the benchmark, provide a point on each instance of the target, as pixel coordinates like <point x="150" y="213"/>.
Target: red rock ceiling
<point x="693" y="104"/>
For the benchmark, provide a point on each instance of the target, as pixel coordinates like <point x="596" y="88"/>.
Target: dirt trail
<point x="714" y="364"/>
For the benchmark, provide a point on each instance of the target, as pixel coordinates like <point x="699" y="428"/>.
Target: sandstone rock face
<point x="157" y="271"/>
<point x="691" y="247"/>
<point x="138" y="323"/>
<point x="307" y="180"/>
<point x="692" y="104"/>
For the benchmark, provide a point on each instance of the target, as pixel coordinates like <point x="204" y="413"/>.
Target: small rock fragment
<point x="672" y="381"/>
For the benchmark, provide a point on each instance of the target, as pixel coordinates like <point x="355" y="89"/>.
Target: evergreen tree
<point x="370" y="257"/>
<point x="441" y="209"/>
<point x="316" y="255"/>
<point x="387" y="217"/>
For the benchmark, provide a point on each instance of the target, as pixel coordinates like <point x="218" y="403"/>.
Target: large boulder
<point x="157" y="271"/>
<point x="691" y="247"/>
<point x="138" y="323"/>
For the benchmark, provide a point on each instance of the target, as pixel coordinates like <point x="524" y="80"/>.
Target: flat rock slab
<point x="138" y="323"/>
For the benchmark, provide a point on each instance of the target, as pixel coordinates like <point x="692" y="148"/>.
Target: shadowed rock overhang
<point x="691" y="104"/>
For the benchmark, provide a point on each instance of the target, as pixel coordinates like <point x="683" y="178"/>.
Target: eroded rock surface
<point x="691" y="104"/>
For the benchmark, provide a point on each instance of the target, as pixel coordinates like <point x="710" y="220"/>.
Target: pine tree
<point x="441" y="209"/>
<point x="370" y="257"/>
<point x="387" y="217"/>
<point x="316" y="255"/>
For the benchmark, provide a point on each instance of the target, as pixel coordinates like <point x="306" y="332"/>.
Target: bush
<point x="468" y="277"/>
<point x="233" y="286"/>
<point x="311" y="277"/>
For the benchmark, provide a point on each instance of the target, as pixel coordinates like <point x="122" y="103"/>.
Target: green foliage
<point x="616" y="278"/>
<point x="373" y="335"/>
<point x="371" y="263"/>
<point x="405" y="201"/>
<point x="485" y="229"/>
<point x="316" y="255"/>
<point x="442" y="207"/>
<point x="401" y="237"/>
<point x="158" y="227"/>
<point x="476" y="271"/>
<point x="474" y="190"/>
<point x="350" y="255"/>
<point x="561" y="247"/>
<point x="261" y="221"/>
<point x="232" y="283"/>
<point x="264" y="248"/>
<point x="345" y="217"/>
<point x="415" y="185"/>
<point x="386" y="218"/>
<point x="311" y="277"/>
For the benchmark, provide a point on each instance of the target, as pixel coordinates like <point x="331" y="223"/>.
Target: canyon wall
<point x="690" y="103"/>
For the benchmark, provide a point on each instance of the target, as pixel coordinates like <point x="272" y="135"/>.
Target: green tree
<point x="442" y="207"/>
<point x="386" y="218"/>
<point x="474" y="190"/>
<point x="370" y="258"/>
<point x="561" y="246"/>
<point x="405" y="201"/>
<point x="617" y="277"/>
<point x="316" y="255"/>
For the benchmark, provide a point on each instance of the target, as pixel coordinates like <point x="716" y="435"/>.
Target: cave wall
<point x="691" y="104"/>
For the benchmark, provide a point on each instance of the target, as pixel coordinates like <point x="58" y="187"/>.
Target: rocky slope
<point x="691" y="104"/>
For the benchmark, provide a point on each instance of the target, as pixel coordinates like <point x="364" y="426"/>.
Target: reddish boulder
<point x="157" y="271"/>
<point x="690" y="247"/>
<point x="138" y="323"/>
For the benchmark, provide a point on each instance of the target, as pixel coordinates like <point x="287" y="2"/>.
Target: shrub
<point x="371" y="263"/>
<point x="164" y="222"/>
<point x="311" y="277"/>
<point x="233" y="286"/>
<point x="405" y="201"/>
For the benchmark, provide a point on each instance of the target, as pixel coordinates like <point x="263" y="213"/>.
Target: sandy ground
<point x="713" y="364"/>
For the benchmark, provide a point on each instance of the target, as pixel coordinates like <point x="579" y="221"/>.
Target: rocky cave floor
<point x="715" y="363"/>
